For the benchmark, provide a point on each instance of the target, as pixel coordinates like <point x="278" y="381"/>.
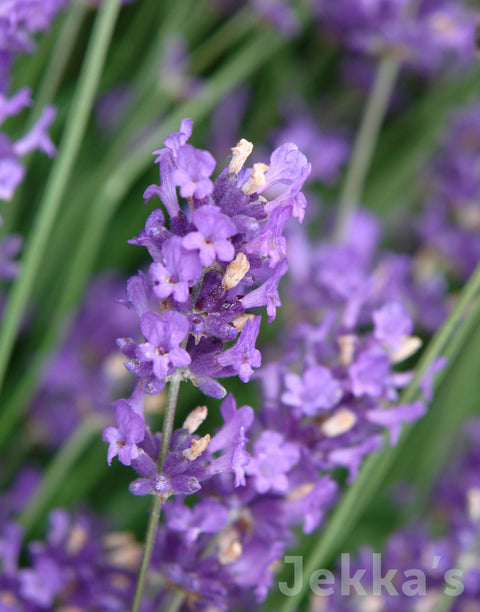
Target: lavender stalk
<point x="156" y="506"/>
<point x="57" y="183"/>
<point x="365" y="142"/>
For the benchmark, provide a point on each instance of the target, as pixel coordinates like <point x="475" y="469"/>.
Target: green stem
<point x="58" y="471"/>
<point x="365" y="143"/>
<point x="377" y="465"/>
<point x="221" y="40"/>
<point x="440" y="427"/>
<point x="59" y="58"/>
<point x="175" y="602"/>
<point x="58" y="179"/>
<point x="156" y="506"/>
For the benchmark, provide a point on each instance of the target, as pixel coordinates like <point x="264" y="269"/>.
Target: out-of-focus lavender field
<point x="239" y="305"/>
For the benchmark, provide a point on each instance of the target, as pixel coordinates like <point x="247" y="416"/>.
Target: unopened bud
<point x="256" y="179"/>
<point x="77" y="538"/>
<point x="9" y="599"/>
<point x="197" y="448"/>
<point x="235" y="271"/>
<point x="442" y="23"/>
<point x="301" y="491"/>
<point x="195" y="419"/>
<point x="229" y="546"/>
<point x="473" y="504"/>
<point x="240" y="154"/>
<point x="468" y="216"/>
<point x="346" y="345"/>
<point x="342" y="421"/>
<point x="240" y="321"/>
<point x="425" y="264"/>
<point x="408" y="347"/>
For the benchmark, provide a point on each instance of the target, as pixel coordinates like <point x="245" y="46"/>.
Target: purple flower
<point x="41" y="584"/>
<point x="163" y="335"/>
<point x="166" y="190"/>
<point x="9" y="107"/>
<point x="194" y="168"/>
<point x="211" y="239"/>
<point x="370" y="373"/>
<point x="180" y="270"/>
<point x="207" y="516"/>
<point x="176" y="140"/>
<point x="11" y="175"/>
<point x="267" y="294"/>
<point x="124" y="439"/>
<point x="10" y="546"/>
<point x="11" y="169"/>
<point x="392" y="324"/>
<point x="243" y="357"/>
<point x="37" y="137"/>
<point x="351" y="457"/>
<point x="311" y="506"/>
<point x="270" y="242"/>
<point x="316" y="391"/>
<point x="394" y="418"/>
<point x="280" y="14"/>
<point x="427" y="39"/>
<point x="286" y="164"/>
<point x="326" y="151"/>
<point x="273" y="457"/>
<point x="231" y="440"/>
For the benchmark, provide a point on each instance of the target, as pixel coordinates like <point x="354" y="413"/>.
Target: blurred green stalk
<point x="58" y="471"/>
<point x="58" y="179"/>
<point x="156" y="506"/>
<point x="365" y="142"/>
<point x="59" y="58"/>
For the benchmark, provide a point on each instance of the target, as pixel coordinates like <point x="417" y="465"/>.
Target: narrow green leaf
<point x="58" y="179"/>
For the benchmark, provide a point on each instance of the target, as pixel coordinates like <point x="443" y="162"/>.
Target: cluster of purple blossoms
<point x="449" y="227"/>
<point x="223" y="255"/>
<point x="78" y="566"/>
<point x="327" y="150"/>
<point x="425" y="561"/>
<point x="217" y="259"/>
<point x="12" y="171"/>
<point x="337" y="387"/>
<point x="326" y="405"/>
<point x="20" y="20"/>
<point x="356" y="277"/>
<point x="425" y="35"/>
